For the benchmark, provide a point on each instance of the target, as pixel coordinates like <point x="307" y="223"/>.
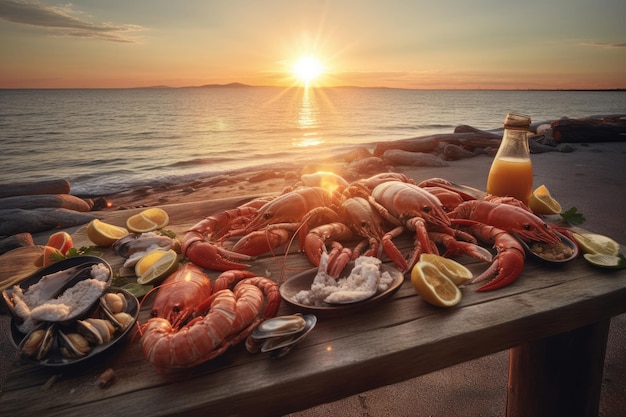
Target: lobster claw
<point x="506" y="267"/>
<point x="261" y="241"/>
<point x="209" y="256"/>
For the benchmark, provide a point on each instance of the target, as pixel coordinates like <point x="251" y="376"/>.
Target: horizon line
<point x="243" y="85"/>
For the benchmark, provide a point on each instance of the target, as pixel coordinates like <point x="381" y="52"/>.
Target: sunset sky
<point x="456" y="44"/>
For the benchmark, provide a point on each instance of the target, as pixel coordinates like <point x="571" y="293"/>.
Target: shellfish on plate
<point x="67" y="343"/>
<point x="59" y="293"/>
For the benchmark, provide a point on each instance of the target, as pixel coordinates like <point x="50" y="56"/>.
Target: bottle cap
<point x="516" y="121"/>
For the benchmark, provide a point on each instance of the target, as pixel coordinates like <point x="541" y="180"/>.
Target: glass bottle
<point x="511" y="172"/>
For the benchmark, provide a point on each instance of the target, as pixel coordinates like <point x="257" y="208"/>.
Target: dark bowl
<point x="546" y="250"/>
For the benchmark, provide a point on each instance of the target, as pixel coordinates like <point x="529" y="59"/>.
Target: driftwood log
<point x="16" y="241"/>
<point x="31" y="207"/>
<point x="606" y="129"/>
<point x="67" y="201"/>
<point x="467" y="137"/>
<point x="57" y="186"/>
<point x="13" y="221"/>
<point x="414" y="159"/>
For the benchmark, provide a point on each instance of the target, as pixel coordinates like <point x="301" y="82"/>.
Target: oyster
<point x="279" y="335"/>
<point x="136" y="245"/>
<point x="37" y="343"/>
<point x="73" y="345"/>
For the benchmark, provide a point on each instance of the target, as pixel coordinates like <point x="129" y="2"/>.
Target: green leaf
<point x="167" y="232"/>
<point x="137" y="290"/>
<point x="573" y="217"/>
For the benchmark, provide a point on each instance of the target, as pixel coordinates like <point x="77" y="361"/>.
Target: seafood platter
<point x="67" y="313"/>
<point x="358" y="241"/>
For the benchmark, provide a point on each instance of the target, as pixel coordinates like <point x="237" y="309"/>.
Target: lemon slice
<point x="541" y="202"/>
<point x="604" y="261"/>
<point x="596" y="244"/>
<point x="433" y="286"/>
<point x="458" y="273"/>
<point x="156" y="266"/>
<point x="148" y="220"/>
<point x="104" y="234"/>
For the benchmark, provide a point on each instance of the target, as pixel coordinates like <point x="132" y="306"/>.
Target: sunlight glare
<point x="307" y="69"/>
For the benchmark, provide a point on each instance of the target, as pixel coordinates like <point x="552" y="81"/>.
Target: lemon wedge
<point x="458" y="273"/>
<point x="433" y="286"/>
<point x="104" y="234"/>
<point x="155" y="266"/>
<point x="594" y="243"/>
<point x="148" y="220"/>
<point x="541" y="202"/>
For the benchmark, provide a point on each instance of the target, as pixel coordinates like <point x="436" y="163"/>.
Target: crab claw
<point x="214" y="257"/>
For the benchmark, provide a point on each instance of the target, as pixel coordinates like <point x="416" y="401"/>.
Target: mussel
<point x="73" y="345"/>
<point x="38" y="343"/>
<point x="115" y="302"/>
<point x="57" y="343"/>
<point x="278" y="336"/>
<point x="96" y="331"/>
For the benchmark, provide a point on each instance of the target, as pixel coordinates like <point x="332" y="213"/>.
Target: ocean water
<point x="109" y="140"/>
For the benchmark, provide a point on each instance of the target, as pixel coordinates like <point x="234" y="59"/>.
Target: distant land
<point x="241" y="85"/>
<point x="230" y="85"/>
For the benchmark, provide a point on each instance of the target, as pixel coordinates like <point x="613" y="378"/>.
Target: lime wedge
<point x="606" y="261"/>
<point x="159" y="269"/>
<point x="596" y="244"/>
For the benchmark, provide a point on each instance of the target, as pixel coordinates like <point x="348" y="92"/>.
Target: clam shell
<point x="279" y="326"/>
<point x="278" y="347"/>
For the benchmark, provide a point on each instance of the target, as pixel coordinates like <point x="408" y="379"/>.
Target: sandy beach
<point x="591" y="178"/>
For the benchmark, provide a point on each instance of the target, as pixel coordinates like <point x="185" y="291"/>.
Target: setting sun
<point x="307" y="69"/>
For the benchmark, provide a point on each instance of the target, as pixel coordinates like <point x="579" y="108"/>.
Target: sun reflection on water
<point x="308" y="121"/>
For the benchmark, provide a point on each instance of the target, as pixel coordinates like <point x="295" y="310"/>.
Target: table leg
<point x="559" y="375"/>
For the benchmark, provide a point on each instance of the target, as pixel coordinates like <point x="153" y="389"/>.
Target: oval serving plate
<point x="303" y="281"/>
<point x="78" y="262"/>
<point x="567" y="242"/>
<point x="56" y="359"/>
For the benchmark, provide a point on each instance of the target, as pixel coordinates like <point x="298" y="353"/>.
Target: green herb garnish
<point x="573" y="217"/>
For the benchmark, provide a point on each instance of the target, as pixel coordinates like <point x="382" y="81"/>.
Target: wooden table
<point x="553" y="320"/>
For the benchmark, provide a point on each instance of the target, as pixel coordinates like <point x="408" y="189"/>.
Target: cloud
<point x="63" y="20"/>
<point x="604" y="44"/>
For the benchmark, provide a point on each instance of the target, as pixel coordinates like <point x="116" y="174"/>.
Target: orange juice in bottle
<point x="511" y="172"/>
